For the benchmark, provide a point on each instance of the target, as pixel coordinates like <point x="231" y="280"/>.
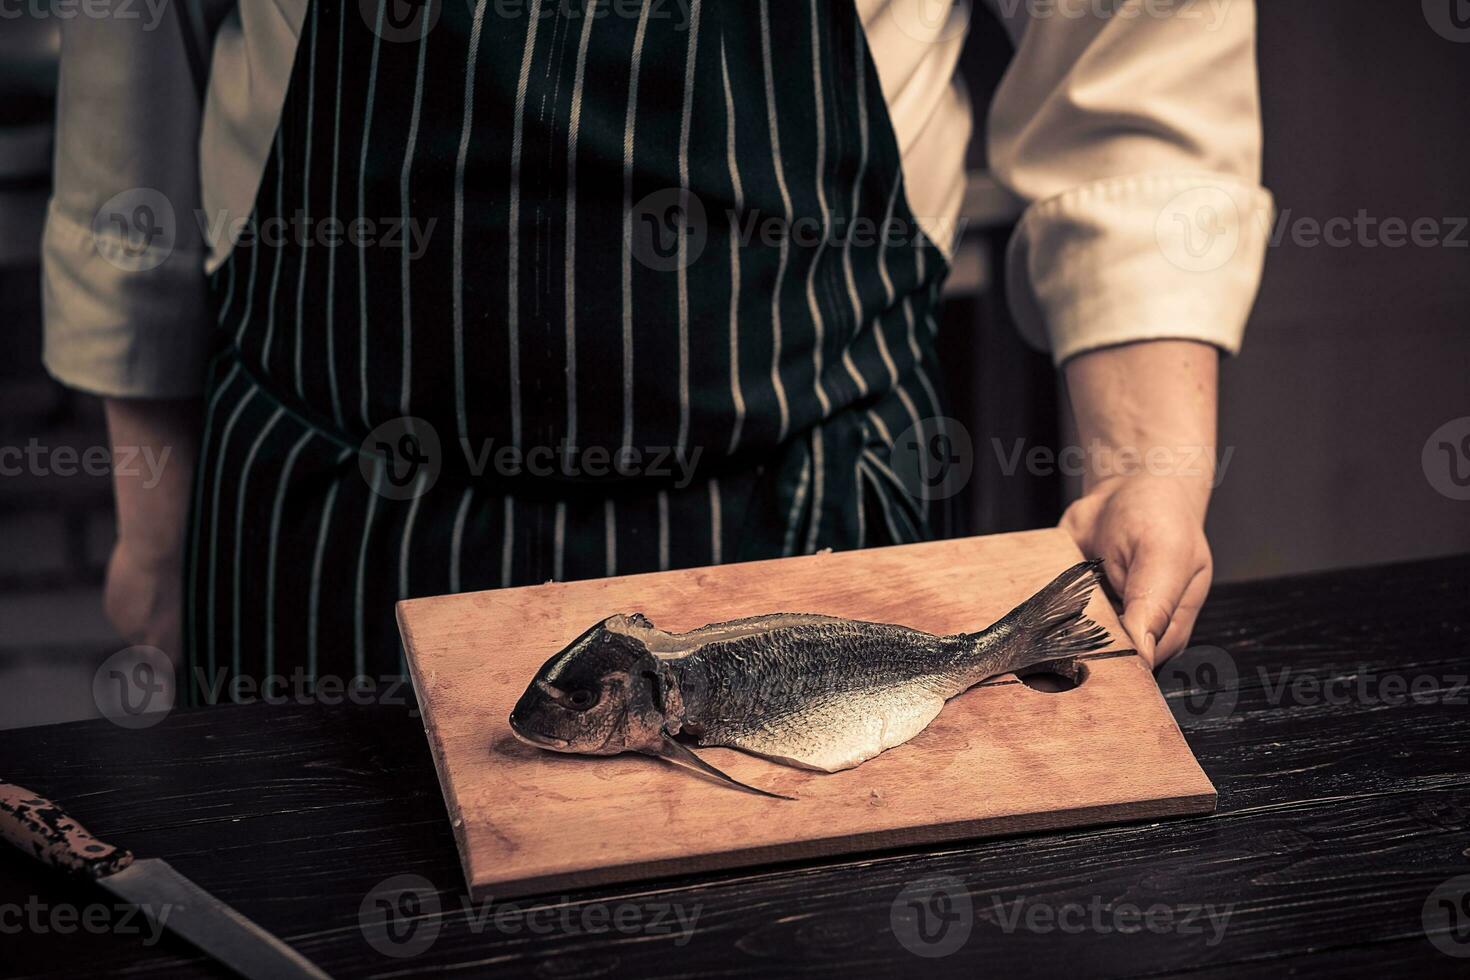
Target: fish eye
<point x="580" y="698"/>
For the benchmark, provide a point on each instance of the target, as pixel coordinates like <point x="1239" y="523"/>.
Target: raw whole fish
<point x="806" y="690"/>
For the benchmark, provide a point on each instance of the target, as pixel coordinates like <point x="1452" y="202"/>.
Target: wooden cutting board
<point x="999" y="759"/>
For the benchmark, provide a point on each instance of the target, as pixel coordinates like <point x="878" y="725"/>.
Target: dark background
<point x="1354" y="355"/>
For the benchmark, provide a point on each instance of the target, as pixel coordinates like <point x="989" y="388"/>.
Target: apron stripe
<point x="574" y="132"/>
<point x="716" y="524"/>
<point x="456" y="540"/>
<point x="250" y="284"/>
<point x="883" y="274"/>
<point x="331" y="319"/>
<point x="899" y="388"/>
<point x="318" y="559"/>
<point x="305" y="253"/>
<point x="559" y="543"/>
<point x="405" y="547"/>
<point x="880" y="330"/>
<point x="876" y="418"/>
<point x="819" y="484"/>
<point x="359" y="637"/>
<point x="234" y="419"/>
<point x="513" y="226"/>
<point x="785" y="244"/>
<point x="890" y="479"/>
<point x="737" y="396"/>
<point x="629" y="131"/>
<point x="798" y="501"/>
<point x="884" y="504"/>
<point x="405" y="404"/>
<point x="466" y="129"/>
<point x="363" y="344"/>
<point x="683" y="262"/>
<point x="908" y="309"/>
<point x="507" y="549"/>
<point x="240" y="499"/>
<point x="610" y="537"/>
<point x="902" y="391"/>
<point x="663" y="530"/>
<point x="891" y="490"/>
<point x="270" y="322"/>
<point x="196" y="545"/>
<point x="820" y="173"/>
<point x="860" y="84"/>
<point x="883" y="352"/>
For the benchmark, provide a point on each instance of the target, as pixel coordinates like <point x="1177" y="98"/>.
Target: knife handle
<point x="42" y="829"/>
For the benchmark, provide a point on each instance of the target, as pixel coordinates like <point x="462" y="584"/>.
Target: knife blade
<point x="43" y="829"/>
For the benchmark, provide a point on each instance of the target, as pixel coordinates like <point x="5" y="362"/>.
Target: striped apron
<point x="553" y="290"/>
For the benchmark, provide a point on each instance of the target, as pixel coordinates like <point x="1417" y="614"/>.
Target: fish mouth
<point x="541" y="741"/>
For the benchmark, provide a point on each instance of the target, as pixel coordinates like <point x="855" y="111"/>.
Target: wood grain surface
<point x="1002" y="758"/>
<point x="1339" y="816"/>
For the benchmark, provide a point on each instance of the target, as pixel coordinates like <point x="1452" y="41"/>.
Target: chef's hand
<point x="1150" y="532"/>
<point x="143" y="594"/>
<point x="1145" y="416"/>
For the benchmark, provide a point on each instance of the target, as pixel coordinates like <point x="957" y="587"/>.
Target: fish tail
<point x="1050" y="625"/>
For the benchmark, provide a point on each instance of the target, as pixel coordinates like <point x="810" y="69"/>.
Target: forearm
<point x="1147" y="408"/>
<point x="1146" y="419"/>
<point x="155" y="444"/>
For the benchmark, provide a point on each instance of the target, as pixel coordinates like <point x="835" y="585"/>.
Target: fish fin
<point x="680" y="754"/>
<point x="1052" y="625"/>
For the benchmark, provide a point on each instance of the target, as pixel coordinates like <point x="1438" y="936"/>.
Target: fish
<point x="802" y="689"/>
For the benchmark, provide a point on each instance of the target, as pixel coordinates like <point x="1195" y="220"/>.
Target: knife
<point x="42" y="829"/>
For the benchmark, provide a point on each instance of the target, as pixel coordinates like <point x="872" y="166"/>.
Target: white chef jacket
<point x="1129" y="129"/>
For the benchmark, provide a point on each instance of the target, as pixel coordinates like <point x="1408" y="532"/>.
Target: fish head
<point x="605" y="693"/>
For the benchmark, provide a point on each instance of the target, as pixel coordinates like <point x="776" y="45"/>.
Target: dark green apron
<point x="536" y="295"/>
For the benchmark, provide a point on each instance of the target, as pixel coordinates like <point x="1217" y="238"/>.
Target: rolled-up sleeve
<point x="126" y="306"/>
<point x="1132" y="132"/>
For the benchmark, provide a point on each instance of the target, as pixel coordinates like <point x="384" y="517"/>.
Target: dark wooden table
<point x="1332" y="711"/>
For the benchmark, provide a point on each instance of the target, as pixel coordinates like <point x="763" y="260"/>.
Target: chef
<point x="439" y="296"/>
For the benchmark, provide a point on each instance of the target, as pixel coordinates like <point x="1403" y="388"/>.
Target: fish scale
<point x="823" y="696"/>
